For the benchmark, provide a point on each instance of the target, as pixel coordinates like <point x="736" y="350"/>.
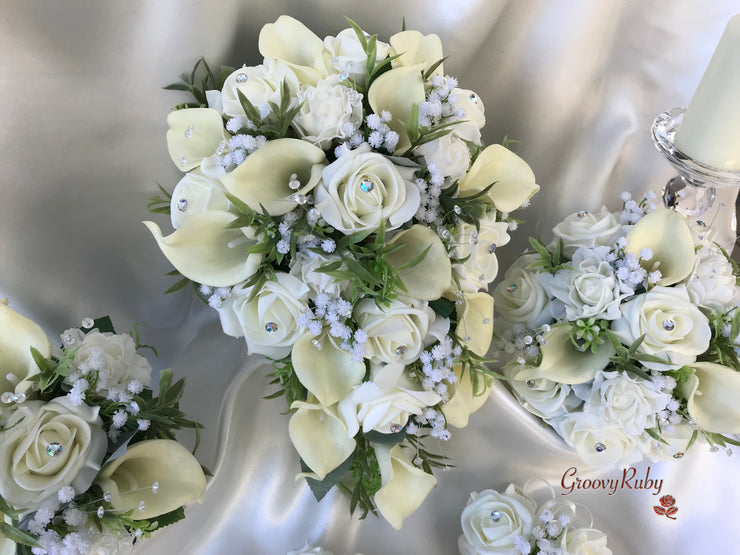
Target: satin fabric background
<point x="82" y="136"/>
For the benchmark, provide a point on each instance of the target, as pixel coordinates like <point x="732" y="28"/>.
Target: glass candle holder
<point x="694" y="189"/>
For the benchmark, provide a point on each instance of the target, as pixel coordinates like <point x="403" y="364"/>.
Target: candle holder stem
<point x="693" y="190"/>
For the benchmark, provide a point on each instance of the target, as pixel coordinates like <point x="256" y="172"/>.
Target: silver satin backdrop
<point x="82" y="135"/>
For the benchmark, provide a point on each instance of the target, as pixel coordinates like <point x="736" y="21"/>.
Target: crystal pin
<point x="271" y="327"/>
<point x="367" y="185"/>
<point x="401" y="349"/>
<point x="668" y="324"/>
<point x="600" y="447"/>
<point x="241" y="78"/>
<point x="182" y="204"/>
<point x="54" y="449"/>
<point x="495" y="516"/>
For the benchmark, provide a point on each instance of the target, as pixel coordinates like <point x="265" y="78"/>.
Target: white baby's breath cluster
<point x="513" y="522"/>
<point x="337" y="200"/>
<point x="63" y="413"/>
<point x="622" y="334"/>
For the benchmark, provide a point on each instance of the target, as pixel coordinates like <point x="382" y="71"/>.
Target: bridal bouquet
<point x="88" y="459"/>
<point x="514" y="523"/>
<point x="340" y="212"/>
<point x="622" y="334"/>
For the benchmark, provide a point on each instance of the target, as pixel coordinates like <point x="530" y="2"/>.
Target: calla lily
<point x="160" y="472"/>
<point x="475" y="322"/>
<point x="295" y="44"/>
<point x="397" y="91"/>
<point x="319" y="436"/>
<point x="194" y="134"/>
<point x="262" y="179"/>
<point x="205" y="251"/>
<point x="463" y="401"/>
<point x="712" y="395"/>
<point x="667" y="234"/>
<point x="428" y="279"/>
<point x="17" y="335"/>
<point x="415" y="48"/>
<point x="405" y="486"/>
<point x="329" y="373"/>
<point x="512" y="178"/>
<point x="563" y="363"/>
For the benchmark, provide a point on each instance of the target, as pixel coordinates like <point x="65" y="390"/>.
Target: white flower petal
<point x="428" y="279"/>
<point x="320" y="437"/>
<point x="712" y="394"/>
<point x="205" y="251"/>
<point x="194" y="134"/>
<point x="329" y="373"/>
<point x="130" y="477"/>
<point x="404" y="485"/>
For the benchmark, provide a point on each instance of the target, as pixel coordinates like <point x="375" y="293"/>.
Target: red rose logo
<point x="668" y="507"/>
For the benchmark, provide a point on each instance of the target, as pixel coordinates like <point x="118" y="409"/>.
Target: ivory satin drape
<point x="82" y="139"/>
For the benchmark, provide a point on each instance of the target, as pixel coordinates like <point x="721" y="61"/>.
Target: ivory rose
<point x="674" y="328"/>
<point x="160" y="472"/>
<point x="345" y="54"/>
<point x="194" y="194"/>
<point x="328" y="111"/>
<point x="363" y="188"/>
<point x="448" y="154"/>
<point x="588" y="289"/>
<point x="491" y="521"/>
<point x="545" y="398"/>
<point x="598" y="443"/>
<point x="261" y="85"/>
<point x="587" y="229"/>
<point x="584" y="541"/>
<point x="520" y="298"/>
<point x="385" y="403"/>
<point x="47" y="446"/>
<point x="114" y="360"/>
<point x="626" y="401"/>
<point x="268" y="321"/>
<point x="469" y="128"/>
<point x="396" y="334"/>
<point x="712" y="283"/>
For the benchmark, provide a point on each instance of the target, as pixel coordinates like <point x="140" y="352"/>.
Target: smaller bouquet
<point x="88" y="457"/>
<point x="622" y="334"/>
<point x="513" y="523"/>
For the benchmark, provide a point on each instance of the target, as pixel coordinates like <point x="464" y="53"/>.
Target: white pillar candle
<point x="710" y="131"/>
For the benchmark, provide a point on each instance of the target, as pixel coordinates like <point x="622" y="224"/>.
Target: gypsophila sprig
<point x="81" y="422"/>
<point x="333" y="202"/>
<point x="622" y="334"/>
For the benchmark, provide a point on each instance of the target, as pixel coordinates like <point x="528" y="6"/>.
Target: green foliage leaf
<point x="378" y="437"/>
<point x="169" y="518"/>
<point x="320" y="488"/>
<point x="18" y="536"/>
<point x="444" y="307"/>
